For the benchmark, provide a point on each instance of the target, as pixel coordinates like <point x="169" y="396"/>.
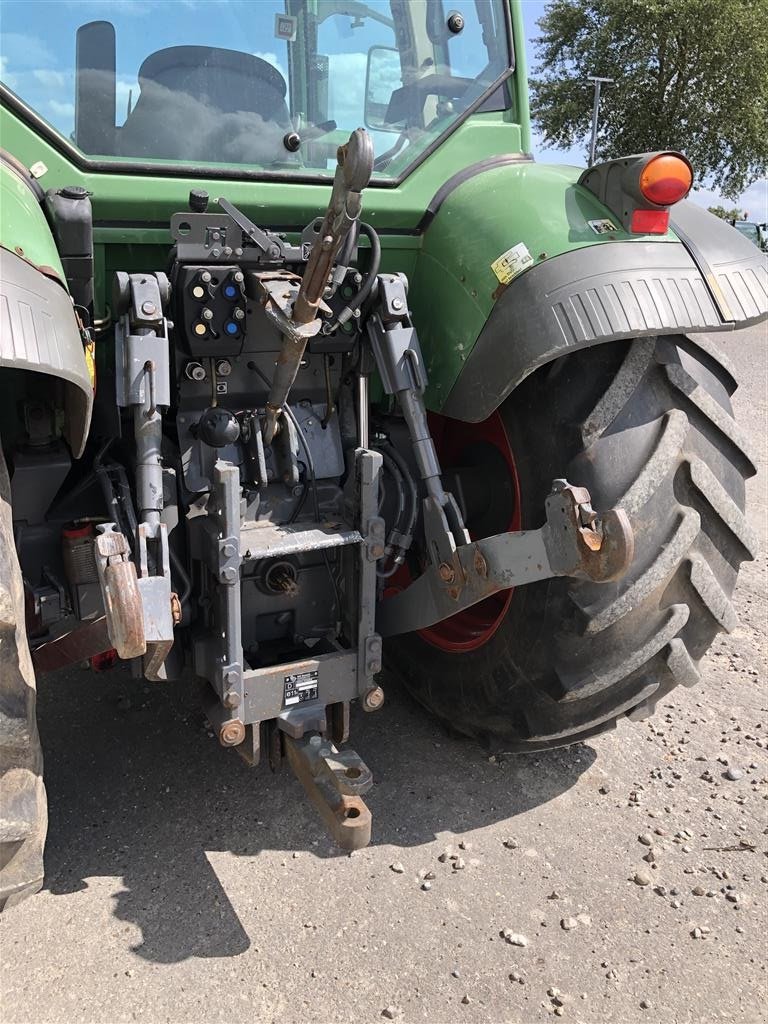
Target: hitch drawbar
<point x="334" y="780"/>
<point x="574" y="541"/>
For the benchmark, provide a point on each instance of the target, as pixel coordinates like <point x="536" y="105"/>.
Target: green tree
<point x="723" y="214"/>
<point x="689" y="75"/>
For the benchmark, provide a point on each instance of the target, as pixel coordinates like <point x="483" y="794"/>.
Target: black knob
<point x="218" y="427"/>
<point x="198" y="200"/>
<point x="74" y="192"/>
<point x="455" y="22"/>
<point x="292" y="141"/>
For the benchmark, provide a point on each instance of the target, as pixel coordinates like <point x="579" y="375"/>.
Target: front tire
<point x="647" y="426"/>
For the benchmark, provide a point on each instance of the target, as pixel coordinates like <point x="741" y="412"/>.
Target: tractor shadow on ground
<point x="143" y="792"/>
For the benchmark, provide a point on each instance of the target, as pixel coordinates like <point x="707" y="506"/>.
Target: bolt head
<point x="231" y="699"/>
<point x="148" y="308"/>
<point x="229" y="574"/>
<point x="232" y="733"/>
<point x="373" y="699"/>
<point x="230" y="550"/>
<point x="397" y="304"/>
<point x="446" y="572"/>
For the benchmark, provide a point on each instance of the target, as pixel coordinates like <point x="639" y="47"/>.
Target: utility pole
<point x="595" y="111"/>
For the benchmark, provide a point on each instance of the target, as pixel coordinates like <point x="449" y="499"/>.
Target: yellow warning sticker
<point x="512" y="262"/>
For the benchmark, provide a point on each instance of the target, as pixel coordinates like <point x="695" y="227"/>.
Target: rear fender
<point x="580" y="291"/>
<point x="39" y="331"/>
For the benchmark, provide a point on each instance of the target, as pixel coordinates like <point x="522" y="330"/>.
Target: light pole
<point x="595" y="111"/>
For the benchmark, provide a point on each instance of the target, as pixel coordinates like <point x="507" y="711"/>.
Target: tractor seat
<point x="204" y="103"/>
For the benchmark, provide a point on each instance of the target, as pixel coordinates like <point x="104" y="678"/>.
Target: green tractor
<point x="756" y="233"/>
<point x="308" y="367"/>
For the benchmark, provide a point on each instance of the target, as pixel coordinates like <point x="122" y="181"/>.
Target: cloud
<point x="63" y="111"/>
<point x="25" y="51"/>
<point x="51" y="79"/>
<point x="346" y="88"/>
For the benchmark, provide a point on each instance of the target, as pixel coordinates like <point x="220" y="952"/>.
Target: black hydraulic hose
<point x="393" y="458"/>
<point x="328" y="392"/>
<point x="348" y="247"/>
<point x="369" y="280"/>
<point x="391" y="466"/>
<point x="182" y="574"/>
<point x="373" y="267"/>
<point x="398" y="459"/>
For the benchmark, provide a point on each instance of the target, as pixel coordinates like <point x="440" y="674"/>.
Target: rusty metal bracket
<point x="334" y="780"/>
<point x="574" y="541"/>
<point x="277" y="291"/>
<point x="120" y="590"/>
<point x="71" y="648"/>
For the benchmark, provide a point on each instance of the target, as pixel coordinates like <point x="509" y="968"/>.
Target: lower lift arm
<point x="574" y="541"/>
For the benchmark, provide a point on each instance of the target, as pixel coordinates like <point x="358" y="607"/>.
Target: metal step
<point x="265" y="540"/>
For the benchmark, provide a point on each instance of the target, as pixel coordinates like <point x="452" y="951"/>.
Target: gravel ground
<point x="622" y="880"/>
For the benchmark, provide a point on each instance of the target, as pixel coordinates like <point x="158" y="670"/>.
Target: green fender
<point x="38" y="327"/>
<point x="23" y="227"/>
<point x="576" y="279"/>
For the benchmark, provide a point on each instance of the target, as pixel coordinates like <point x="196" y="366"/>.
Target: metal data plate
<point x="327" y="679"/>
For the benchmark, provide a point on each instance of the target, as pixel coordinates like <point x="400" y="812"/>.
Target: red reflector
<point x="104" y="661"/>
<point x="649" y="222"/>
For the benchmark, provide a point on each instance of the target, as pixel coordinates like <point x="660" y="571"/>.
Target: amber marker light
<point x="666" y="179"/>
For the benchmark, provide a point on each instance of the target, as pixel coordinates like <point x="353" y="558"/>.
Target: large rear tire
<point x="23" y="809"/>
<point x="647" y="426"/>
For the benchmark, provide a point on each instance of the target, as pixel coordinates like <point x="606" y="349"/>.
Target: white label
<point x="512" y="262"/>
<point x="602" y="227"/>
<point x="285" y="27"/>
<point x="299" y="687"/>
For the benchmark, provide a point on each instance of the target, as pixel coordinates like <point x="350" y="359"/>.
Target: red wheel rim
<point x="473" y="628"/>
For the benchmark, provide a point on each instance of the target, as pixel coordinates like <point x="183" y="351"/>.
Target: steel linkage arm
<point x="574" y="541"/>
<point x="355" y="165"/>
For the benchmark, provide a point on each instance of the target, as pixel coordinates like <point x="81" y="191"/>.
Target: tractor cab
<point x="273" y="85"/>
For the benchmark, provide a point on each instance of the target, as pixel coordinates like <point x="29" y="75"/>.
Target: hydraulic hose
<point x="368" y="281"/>
<point x="401" y="464"/>
<point x="400" y="538"/>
